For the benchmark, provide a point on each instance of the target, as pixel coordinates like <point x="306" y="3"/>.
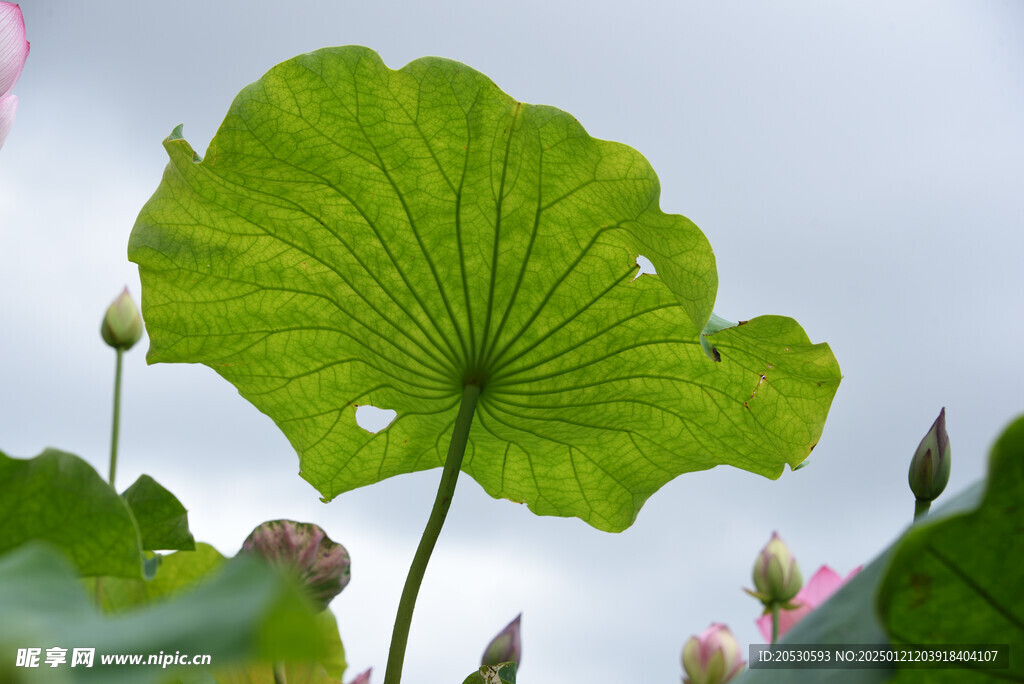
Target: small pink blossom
<point x="713" y="657"/>
<point x="13" y="53"/>
<point x="818" y="589"/>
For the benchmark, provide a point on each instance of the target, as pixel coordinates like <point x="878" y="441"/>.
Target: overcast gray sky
<point x="858" y="166"/>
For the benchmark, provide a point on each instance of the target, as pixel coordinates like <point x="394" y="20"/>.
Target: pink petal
<point x="823" y="584"/>
<point x="8" y="106"/>
<point x="13" y="46"/>
<point x="764" y="623"/>
<point x="363" y="678"/>
<point x="818" y="589"/>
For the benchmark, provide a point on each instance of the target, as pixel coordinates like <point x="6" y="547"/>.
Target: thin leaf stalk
<point x="442" y="502"/>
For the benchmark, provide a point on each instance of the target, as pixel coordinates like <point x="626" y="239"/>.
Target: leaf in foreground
<point x="162" y="520"/>
<point x="503" y="673"/>
<point x="59" y="498"/>
<point x="247" y="611"/>
<point x="176" y="573"/>
<point x="356" y="235"/>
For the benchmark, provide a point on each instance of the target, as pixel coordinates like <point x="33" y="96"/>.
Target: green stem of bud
<point x="279" y="675"/>
<point x="920" y="508"/>
<point x="116" y="423"/>
<point x="775" y="622"/>
<point x="443" y="500"/>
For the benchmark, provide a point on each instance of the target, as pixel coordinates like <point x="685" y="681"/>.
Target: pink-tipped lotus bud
<point x="713" y="657"/>
<point x="363" y="678"/>
<point x="122" y="324"/>
<point x="507" y="647"/>
<point x="929" y="469"/>
<point x="13" y="53"/>
<point x="305" y="551"/>
<point x="776" y="574"/>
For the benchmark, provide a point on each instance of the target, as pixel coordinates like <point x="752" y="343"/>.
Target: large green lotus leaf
<point x="59" y="498"/>
<point x="961" y="580"/>
<point x="356" y="235"/>
<point x="246" y="611"/>
<point x="162" y="520"/>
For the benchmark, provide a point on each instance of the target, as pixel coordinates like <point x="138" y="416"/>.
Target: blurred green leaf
<point x="177" y="572"/>
<point x="246" y="612"/>
<point x="505" y="673"/>
<point x="328" y="670"/>
<point x="357" y="235"/>
<point x="162" y="520"/>
<point x="59" y="498"/>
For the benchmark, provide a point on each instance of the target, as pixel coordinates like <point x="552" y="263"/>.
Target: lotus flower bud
<point x="363" y="678"/>
<point x="713" y="657"/>
<point x="929" y="469"/>
<point x="122" y="324"/>
<point x="305" y="551"/>
<point x="507" y="647"/>
<point x="776" y="574"/>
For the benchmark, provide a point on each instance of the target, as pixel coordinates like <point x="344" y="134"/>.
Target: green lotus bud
<point x="776" y="574"/>
<point x="122" y="324"/>
<point x="305" y="551"/>
<point x="929" y="469"/>
<point x="507" y="647"/>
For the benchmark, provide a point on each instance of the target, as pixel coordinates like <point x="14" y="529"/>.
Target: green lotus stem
<point x="921" y="508"/>
<point x="443" y="500"/>
<point x="775" y="622"/>
<point x="116" y="422"/>
<point x="279" y="675"/>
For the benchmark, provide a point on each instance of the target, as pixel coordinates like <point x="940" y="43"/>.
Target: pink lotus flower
<point x="13" y="53"/>
<point x="713" y="657"/>
<point x="363" y="678"/>
<point x="817" y="590"/>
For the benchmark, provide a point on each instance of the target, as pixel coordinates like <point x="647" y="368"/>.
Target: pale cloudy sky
<point x="858" y="166"/>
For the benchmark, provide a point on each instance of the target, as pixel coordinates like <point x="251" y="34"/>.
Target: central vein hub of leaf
<point x="475" y="376"/>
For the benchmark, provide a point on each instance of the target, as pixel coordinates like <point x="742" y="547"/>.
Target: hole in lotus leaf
<point x="373" y="419"/>
<point x="646" y="267"/>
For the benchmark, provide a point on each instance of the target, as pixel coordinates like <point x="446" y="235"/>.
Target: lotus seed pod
<point x="304" y="550"/>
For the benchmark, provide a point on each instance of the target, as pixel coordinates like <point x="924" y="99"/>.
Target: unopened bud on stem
<point x="713" y="657"/>
<point x="507" y="647"/>
<point x="929" y="469"/>
<point x="776" y="574"/>
<point x="122" y="324"/>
